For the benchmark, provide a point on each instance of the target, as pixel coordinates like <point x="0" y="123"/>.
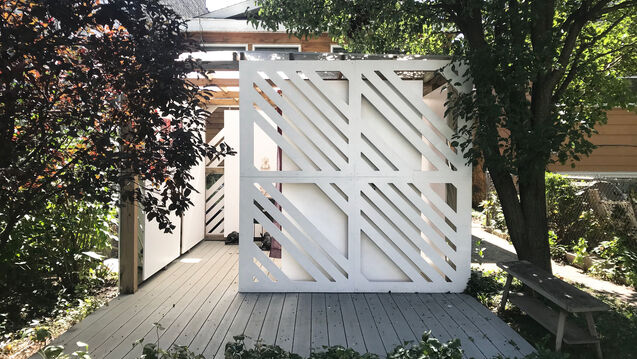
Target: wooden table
<point x="566" y="297"/>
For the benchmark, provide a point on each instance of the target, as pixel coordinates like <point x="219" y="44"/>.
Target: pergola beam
<point x="215" y="82"/>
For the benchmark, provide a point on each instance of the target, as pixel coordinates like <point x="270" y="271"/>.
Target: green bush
<point x="619" y="261"/>
<point x="492" y="211"/>
<point x="46" y="263"/>
<point x="427" y="348"/>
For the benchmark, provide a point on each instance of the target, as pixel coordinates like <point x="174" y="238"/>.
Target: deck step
<point x="548" y="318"/>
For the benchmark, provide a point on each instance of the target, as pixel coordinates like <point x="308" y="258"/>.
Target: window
<point x="277" y="48"/>
<point x="337" y="49"/>
<point x="224" y="47"/>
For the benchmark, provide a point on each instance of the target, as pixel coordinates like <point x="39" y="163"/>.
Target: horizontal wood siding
<point x="319" y="44"/>
<point x="617" y="146"/>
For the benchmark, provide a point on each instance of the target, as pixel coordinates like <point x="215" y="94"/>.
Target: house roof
<point x="187" y="9"/>
<point x="203" y="24"/>
<point x="234" y="11"/>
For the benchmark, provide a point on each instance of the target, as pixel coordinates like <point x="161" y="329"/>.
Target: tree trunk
<point x="525" y="215"/>
<point x="533" y="202"/>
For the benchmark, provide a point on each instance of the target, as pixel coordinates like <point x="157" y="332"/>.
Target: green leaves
<point x="95" y="98"/>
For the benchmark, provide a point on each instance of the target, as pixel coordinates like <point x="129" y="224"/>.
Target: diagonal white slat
<point x="215" y="186"/>
<point x="408" y="246"/>
<point x="215" y="210"/>
<point x="415" y="217"/>
<point x="293" y="246"/>
<point x="300" y="256"/>
<point x="400" y="85"/>
<point x="212" y="223"/>
<point x="435" y="200"/>
<point x="334" y="196"/>
<point x="385" y="148"/>
<point x="396" y="257"/>
<point x="258" y="272"/>
<point x="290" y="150"/>
<point x="415" y="119"/>
<point x="304" y="113"/>
<point x="254" y="252"/>
<point x="332" y="132"/>
<point x="326" y="260"/>
<point x="214" y="200"/>
<point x="326" y="110"/>
<point x="292" y="132"/>
<point x="319" y="83"/>
<point x="405" y="130"/>
<point x="321" y="241"/>
<point x="414" y="237"/>
<point x="219" y="137"/>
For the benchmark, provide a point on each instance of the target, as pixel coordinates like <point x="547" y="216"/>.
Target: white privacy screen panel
<point x="366" y="193"/>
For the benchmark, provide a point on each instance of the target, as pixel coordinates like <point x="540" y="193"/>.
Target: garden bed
<point x="27" y="341"/>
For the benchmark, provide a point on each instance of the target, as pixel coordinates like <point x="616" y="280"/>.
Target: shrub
<point x="430" y="348"/>
<point x="619" y="262"/>
<point x="427" y="348"/>
<point x="49" y="262"/>
<point x="493" y="215"/>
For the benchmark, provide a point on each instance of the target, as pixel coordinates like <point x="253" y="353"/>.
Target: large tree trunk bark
<point x="533" y="202"/>
<point x="525" y="215"/>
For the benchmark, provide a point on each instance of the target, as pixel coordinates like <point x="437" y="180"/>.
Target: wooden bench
<point x="566" y="297"/>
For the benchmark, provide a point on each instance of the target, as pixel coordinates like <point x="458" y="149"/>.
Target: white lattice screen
<point x="214" y="207"/>
<point x="215" y="200"/>
<point x="368" y="195"/>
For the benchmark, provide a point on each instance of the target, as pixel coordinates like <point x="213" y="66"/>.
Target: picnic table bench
<point x="566" y="297"/>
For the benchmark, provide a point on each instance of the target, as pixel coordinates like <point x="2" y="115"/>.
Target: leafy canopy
<point x="93" y="95"/>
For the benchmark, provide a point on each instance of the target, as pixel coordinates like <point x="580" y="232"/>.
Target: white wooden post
<point x="231" y="173"/>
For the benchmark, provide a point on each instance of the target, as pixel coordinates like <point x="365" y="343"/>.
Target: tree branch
<point x="580" y="51"/>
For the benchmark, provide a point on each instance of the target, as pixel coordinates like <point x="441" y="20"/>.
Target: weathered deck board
<point x="199" y="305"/>
<point x="302" y="334"/>
<point x="319" y="322"/>
<point x="335" y="326"/>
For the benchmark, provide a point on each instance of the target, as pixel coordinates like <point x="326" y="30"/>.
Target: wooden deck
<point x="196" y="300"/>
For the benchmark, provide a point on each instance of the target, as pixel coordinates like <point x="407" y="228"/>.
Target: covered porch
<point x="197" y="302"/>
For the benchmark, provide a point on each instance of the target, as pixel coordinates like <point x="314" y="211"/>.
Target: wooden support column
<point x="128" y="227"/>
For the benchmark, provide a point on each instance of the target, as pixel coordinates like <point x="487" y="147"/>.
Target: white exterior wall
<point x="160" y="248"/>
<point x="193" y="222"/>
